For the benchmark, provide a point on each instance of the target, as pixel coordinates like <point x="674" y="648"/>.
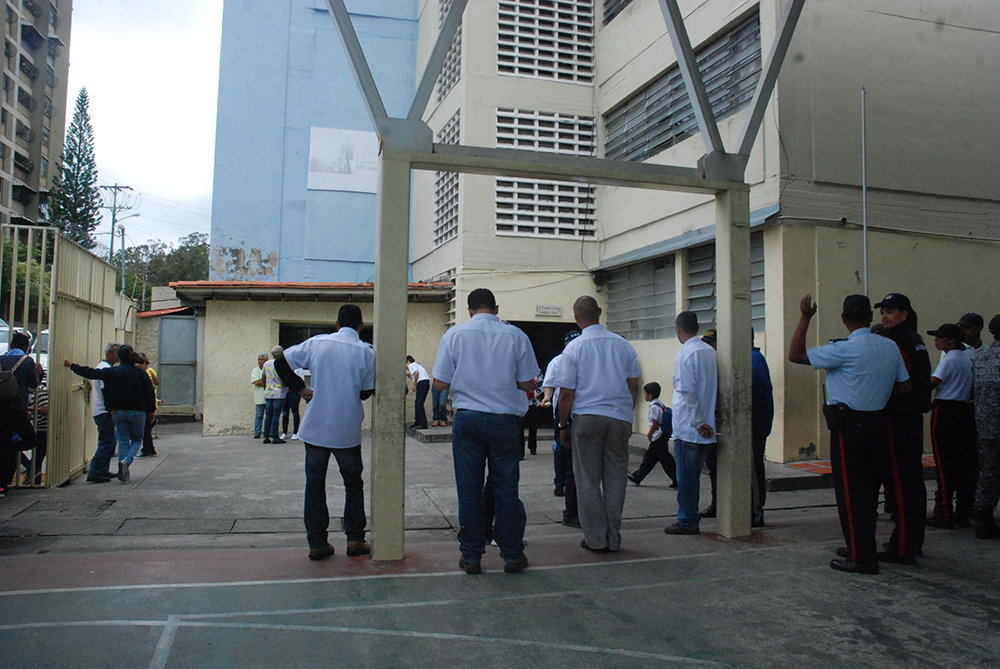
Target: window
<point x="660" y="115"/>
<point x="45" y="135"/>
<point x="548" y="39"/>
<point x="43" y="167"/>
<point x="446" y="189"/>
<point x="543" y="208"/>
<point x="642" y="300"/>
<point x="701" y="284"/>
<point x="290" y="334"/>
<point x="452" y="69"/>
<point x="613" y="8"/>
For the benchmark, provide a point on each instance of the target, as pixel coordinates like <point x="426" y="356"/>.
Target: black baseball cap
<point x="895" y="301"/>
<point x="949" y="331"/>
<point x="995" y="325"/>
<point x="570" y="336"/>
<point x="971" y="319"/>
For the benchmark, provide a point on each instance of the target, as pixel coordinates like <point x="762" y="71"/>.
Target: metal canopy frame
<point x="407" y="144"/>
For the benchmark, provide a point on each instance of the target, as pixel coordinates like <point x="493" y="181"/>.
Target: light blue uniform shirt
<point x="860" y="370"/>
<point x="596" y="366"/>
<point x="341" y="366"/>
<point x="484" y="360"/>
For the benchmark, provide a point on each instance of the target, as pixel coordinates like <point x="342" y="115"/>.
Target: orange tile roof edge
<point x="162" y="312"/>
<point x="298" y="284"/>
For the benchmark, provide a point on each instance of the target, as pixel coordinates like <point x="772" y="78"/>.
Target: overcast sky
<point x="151" y="69"/>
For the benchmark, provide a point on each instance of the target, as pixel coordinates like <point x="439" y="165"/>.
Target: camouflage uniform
<point x="986" y="396"/>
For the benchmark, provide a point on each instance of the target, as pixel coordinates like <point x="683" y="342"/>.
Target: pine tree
<point x="75" y="201"/>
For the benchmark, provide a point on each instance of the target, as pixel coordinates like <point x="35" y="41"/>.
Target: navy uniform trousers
<point x="953" y="434"/>
<point x="903" y="475"/>
<point x="857" y="446"/>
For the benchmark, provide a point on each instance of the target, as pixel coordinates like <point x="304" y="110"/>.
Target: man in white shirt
<point x="343" y="375"/>
<point x="99" y="471"/>
<point x="488" y="366"/>
<point x="598" y="381"/>
<point x="696" y="382"/>
<point x="421" y="386"/>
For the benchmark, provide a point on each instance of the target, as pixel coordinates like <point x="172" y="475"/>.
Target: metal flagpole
<point x="864" y="188"/>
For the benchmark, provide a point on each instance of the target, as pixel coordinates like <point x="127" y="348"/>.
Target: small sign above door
<point x="548" y="310"/>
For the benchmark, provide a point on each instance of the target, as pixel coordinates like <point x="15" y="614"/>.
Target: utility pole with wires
<point x="116" y="207"/>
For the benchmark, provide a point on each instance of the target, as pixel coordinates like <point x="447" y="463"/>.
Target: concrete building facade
<point x="33" y="105"/>
<point x="581" y="76"/>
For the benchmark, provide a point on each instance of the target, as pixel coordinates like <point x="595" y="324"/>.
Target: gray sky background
<point x="151" y="69"/>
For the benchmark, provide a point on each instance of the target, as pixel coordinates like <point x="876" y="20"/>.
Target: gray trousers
<point x="600" y="465"/>
<point x="988" y="488"/>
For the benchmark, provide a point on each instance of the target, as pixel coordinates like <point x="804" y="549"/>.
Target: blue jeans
<point x="317" y="514"/>
<point x="258" y="418"/>
<point x="272" y="417"/>
<point x="690" y="459"/>
<point x="131" y="427"/>
<point x="481" y="440"/>
<point x="439" y="404"/>
<point x="100" y="464"/>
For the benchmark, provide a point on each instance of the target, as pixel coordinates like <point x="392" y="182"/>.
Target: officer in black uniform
<point x="902" y="470"/>
<point x="862" y="372"/>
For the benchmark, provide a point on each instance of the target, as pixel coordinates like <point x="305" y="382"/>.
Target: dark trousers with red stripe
<point x="857" y="445"/>
<point x="902" y="472"/>
<point x="953" y="433"/>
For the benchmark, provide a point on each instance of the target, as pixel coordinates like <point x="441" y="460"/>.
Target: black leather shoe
<point x="514" y="566"/>
<point x="677" y="528"/>
<point x="894" y="558"/>
<point x="941" y="523"/>
<point x="844" y="553"/>
<point x="633" y="479"/>
<point x="470" y="568"/>
<point x="584" y="545"/>
<point x="709" y="512"/>
<point x="571" y="522"/>
<point x="854" y="567"/>
<point x="277" y="441"/>
<point x="97" y="478"/>
<point x="559" y="491"/>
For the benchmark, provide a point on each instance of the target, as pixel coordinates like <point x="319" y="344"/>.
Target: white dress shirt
<point x="341" y="366"/>
<point x="696" y="384"/>
<point x="484" y="360"/>
<point x="415" y="368"/>
<point x="596" y="366"/>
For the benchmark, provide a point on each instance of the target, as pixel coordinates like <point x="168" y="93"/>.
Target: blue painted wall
<point x="282" y="71"/>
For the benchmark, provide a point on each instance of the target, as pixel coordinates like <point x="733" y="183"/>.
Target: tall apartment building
<point x="33" y="107"/>
<point x="600" y="78"/>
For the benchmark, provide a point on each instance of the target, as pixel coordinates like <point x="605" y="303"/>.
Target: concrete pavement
<point x="201" y="560"/>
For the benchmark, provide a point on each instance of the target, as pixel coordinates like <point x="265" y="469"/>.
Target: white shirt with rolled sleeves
<point x="97" y="392"/>
<point x="417" y="372"/>
<point x="341" y="366"/>
<point x="955" y="372"/>
<point x="597" y="366"/>
<point x="483" y="361"/>
<point x="550" y="374"/>
<point x="860" y="370"/>
<point x="696" y="384"/>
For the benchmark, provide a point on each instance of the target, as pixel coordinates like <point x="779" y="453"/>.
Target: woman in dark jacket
<point x="129" y="395"/>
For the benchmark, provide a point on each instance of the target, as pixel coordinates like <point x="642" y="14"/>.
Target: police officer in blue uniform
<point x="862" y="372"/>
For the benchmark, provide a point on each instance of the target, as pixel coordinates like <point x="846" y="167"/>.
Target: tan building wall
<point x="237" y="331"/>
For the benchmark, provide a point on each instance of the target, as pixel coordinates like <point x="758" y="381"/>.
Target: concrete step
<point x="431" y="434"/>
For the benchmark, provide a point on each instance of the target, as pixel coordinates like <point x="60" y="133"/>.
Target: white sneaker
<point x="283" y="435"/>
<point x="295" y="437"/>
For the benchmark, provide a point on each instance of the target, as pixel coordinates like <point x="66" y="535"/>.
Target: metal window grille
<point x="757" y="281"/>
<point x="612" y="8"/>
<point x="548" y="39"/>
<point x="701" y="284"/>
<point x="642" y="300"/>
<point x="660" y="115"/>
<point x="452" y="69"/>
<point x="544" y="208"/>
<point x="446" y="189"/>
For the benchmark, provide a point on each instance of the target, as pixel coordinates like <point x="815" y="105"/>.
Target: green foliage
<point x="35" y="277"/>
<point x="158" y="264"/>
<point x="75" y="200"/>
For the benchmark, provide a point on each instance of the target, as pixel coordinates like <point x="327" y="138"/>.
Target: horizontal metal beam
<point x="770" y="77"/>
<point x="536" y="165"/>
<point x="436" y="62"/>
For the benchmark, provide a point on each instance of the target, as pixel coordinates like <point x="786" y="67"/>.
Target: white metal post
<point x="392" y="234"/>
<point x="732" y="251"/>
